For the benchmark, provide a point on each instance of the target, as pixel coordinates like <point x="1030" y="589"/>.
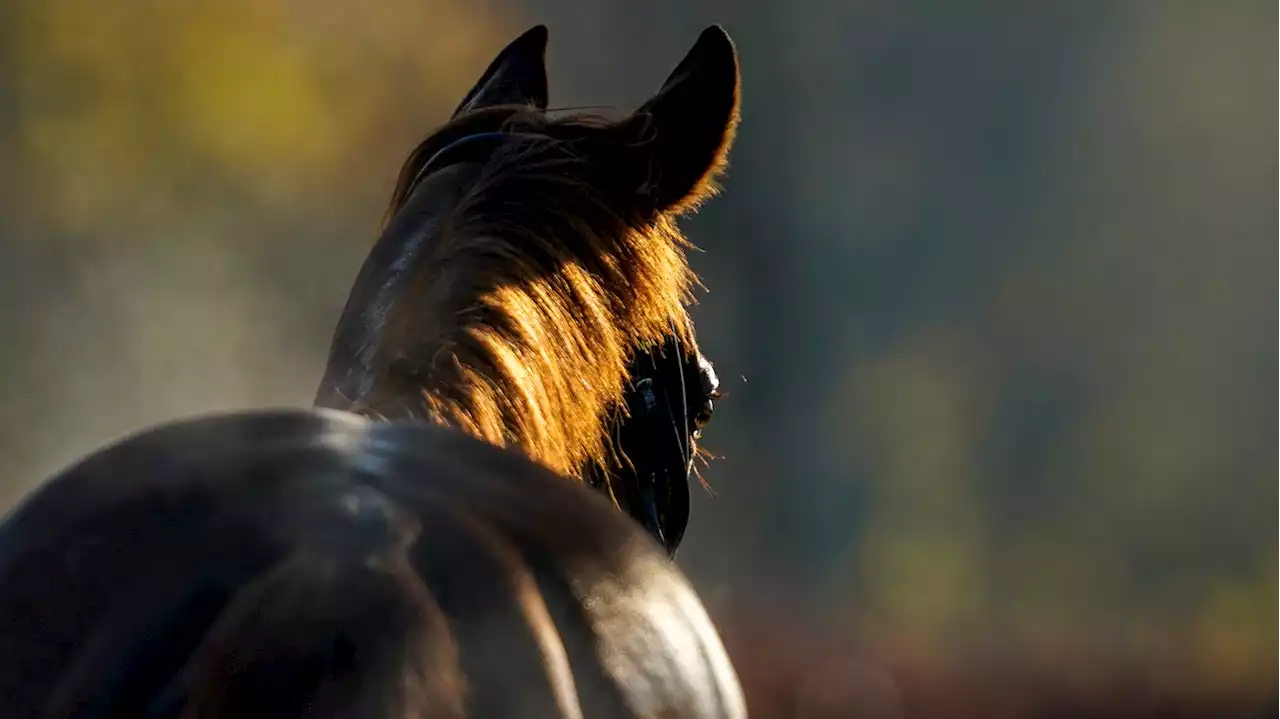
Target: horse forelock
<point x="547" y="284"/>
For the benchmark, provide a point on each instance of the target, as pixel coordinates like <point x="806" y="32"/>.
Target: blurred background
<point x="989" y="290"/>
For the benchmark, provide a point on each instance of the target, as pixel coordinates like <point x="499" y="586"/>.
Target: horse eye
<point x="703" y="417"/>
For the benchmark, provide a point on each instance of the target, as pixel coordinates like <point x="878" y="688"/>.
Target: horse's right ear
<point x="517" y="76"/>
<point x="689" y="125"/>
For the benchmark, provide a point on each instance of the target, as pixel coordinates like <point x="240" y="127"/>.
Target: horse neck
<point x="497" y="329"/>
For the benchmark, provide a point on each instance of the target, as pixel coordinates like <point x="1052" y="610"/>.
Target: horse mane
<point x="545" y="285"/>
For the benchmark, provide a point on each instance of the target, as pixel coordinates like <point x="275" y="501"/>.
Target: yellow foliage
<point x="119" y="102"/>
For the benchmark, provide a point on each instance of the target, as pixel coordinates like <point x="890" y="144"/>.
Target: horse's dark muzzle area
<point x="657" y="495"/>
<point x="663" y="510"/>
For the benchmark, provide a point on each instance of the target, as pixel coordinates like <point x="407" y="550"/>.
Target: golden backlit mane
<point x="543" y="283"/>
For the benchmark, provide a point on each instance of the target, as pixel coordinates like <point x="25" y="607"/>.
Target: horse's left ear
<point x="690" y="124"/>
<point x="517" y="76"/>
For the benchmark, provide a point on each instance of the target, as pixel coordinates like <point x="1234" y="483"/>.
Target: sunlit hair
<point x="546" y="275"/>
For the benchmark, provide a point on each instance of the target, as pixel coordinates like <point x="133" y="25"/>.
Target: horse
<point x="569" y="286"/>
<point x="319" y="563"/>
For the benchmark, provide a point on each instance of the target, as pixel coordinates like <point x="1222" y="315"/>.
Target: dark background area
<point x="988" y="291"/>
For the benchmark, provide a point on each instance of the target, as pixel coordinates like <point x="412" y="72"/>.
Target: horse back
<point x="313" y="564"/>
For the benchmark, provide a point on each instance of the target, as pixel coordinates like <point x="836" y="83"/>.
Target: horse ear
<point x="517" y="76"/>
<point x="690" y="123"/>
